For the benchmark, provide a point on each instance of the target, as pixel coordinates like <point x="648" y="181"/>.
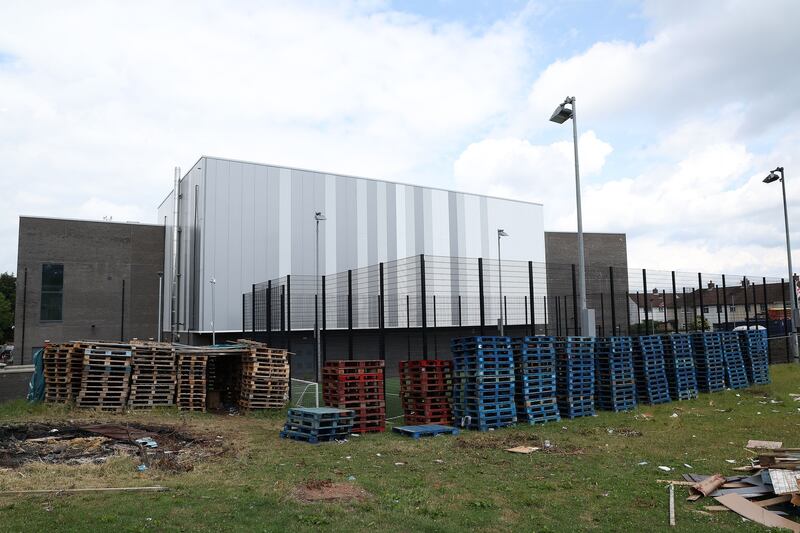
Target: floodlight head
<point x="501" y="233"/>
<point x="319" y="216"/>
<point x="561" y="114"/>
<point x="772" y="177"/>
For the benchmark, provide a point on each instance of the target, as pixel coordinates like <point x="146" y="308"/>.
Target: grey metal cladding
<point x="255" y="222"/>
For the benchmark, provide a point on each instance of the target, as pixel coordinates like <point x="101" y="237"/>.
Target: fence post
<point x="746" y="304"/>
<point x="269" y="312"/>
<point x="702" y="310"/>
<point x="527" y="325"/>
<point x="531" y="295"/>
<point x="719" y="309"/>
<point x="558" y="316"/>
<point x="459" y="311"/>
<point x="674" y="303"/>
<point x="602" y="316"/>
<point x="694" y="309"/>
<point x="323" y="333"/>
<point x="244" y="311"/>
<point x="566" y="318"/>
<point x="435" y="340"/>
<point x="381" y="318"/>
<point x="755" y="303"/>
<point x="628" y="309"/>
<point x="480" y="293"/>
<point x="646" y="302"/>
<point x="424" y="307"/>
<point x="546" y="326"/>
<point x="408" y="328"/>
<point x="253" y="308"/>
<point x="613" y="301"/>
<point x="725" y="300"/>
<point x="350" y="315"/>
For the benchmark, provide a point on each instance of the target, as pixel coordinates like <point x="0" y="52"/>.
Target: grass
<point x="592" y="481"/>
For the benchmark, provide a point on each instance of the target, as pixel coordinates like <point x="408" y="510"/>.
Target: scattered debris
<point x="523" y="449"/>
<point x="756" y="513"/>
<point x="100" y="489"/>
<point x="665" y="468"/>
<point x="671" y="504"/>
<point x="764" y="444"/>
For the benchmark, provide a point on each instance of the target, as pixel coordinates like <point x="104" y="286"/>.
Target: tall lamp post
<point x="213" y="283"/>
<point x="773" y="176"/>
<point x="559" y="116"/>
<point x="318" y="217"/>
<point x="501" y="322"/>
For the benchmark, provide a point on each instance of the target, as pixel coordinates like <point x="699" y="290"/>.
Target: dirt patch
<point x="161" y="447"/>
<point x="317" y="490"/>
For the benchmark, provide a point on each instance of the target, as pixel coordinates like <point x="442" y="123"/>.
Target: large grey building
<point x="241" y="223"/>
<point x="80" y="279"/>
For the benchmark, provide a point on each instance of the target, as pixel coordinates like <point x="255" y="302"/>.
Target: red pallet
<point x="425" y="390"/>
<point x="426" y="363"/>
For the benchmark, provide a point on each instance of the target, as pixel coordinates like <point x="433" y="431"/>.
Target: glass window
<point x="52" y="292"/>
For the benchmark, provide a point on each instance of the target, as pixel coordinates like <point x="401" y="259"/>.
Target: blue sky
<point x="680" y="110"/>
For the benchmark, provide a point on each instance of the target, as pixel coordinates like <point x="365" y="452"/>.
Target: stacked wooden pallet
<point x="191" y="394"/>
<point x="679" y="363"/>
<point x="106" y="375"/>
<point x="425" y="388"/>
<point x="265" y="377"/>
<point x="575" y="376"/>
<point x="483" y="382"/>
<point x="317" y="424"/>
<point x="153" y="375"/>
<point x="709" y="361"/>
<point x="756" y="355"/>
<point x="535" y="371"/>
<point x="652" y="385"/>
<point x="616" y="380"/>
<point x="735" y="373"/>
<point x="57" y="385"/>
<point x="357" y="386"/>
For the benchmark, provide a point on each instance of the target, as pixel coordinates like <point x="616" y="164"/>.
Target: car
<point x="745" y="328"/>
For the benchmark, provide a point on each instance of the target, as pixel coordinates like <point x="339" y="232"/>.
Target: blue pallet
<point x="415" y="432"/>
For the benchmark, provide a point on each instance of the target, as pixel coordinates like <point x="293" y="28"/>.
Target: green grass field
<point x="589" y="480"/>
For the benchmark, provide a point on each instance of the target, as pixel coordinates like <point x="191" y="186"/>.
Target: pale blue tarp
<point x="36" y="386"/>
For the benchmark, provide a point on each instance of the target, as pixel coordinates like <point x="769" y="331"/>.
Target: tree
<point x="8" y="287"/>
<point x="6" y="320"/>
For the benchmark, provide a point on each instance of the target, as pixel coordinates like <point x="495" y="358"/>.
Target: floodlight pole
<point x="501" y="320"/>
<point x="585" y="326"/>
<point x="318" y="216"/>
<point x="792" y="286"/>
<point x="213" y="283"/>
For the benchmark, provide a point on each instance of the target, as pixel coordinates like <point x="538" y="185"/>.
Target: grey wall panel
<point x="259" y="225"/>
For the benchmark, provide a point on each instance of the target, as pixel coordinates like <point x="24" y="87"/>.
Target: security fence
<point x="429" y="293"/>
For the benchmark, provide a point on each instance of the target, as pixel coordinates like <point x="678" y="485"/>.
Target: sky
<point x="683" y="107"/>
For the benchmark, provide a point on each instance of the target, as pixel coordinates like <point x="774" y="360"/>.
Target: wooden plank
<point x="756" y="513"/>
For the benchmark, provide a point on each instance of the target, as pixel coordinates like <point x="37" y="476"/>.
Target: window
<point x="705" y="309"/>
<point x="732" y="308"/>
<point x="52" y="292"/>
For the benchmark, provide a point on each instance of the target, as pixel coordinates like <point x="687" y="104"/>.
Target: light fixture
<point x="772" y="177"/>
<point x="319" y="216"/>
<point x="562" y="113"/>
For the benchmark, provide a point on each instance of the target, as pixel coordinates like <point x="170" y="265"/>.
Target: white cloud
<point x="101" y="100"/>
<point x="539" y="173"/>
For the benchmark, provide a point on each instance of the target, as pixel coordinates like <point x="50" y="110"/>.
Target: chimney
<point x="711" y="284"/>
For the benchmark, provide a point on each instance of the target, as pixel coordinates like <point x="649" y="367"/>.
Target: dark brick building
<point x="80" y="279"/>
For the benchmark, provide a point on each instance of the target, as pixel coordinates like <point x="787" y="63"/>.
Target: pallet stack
<point x="357" y="386"/>
<point x="755" y="350"/>
<point x="191" y="391"/>
<point x="106" y="376"/>
<point x="735" y="373"/>
<point x="57" y="377"/>
<point x="425" y="388"/>
<point x="616" y="381"/>
<point x="318" y="424"/>
<point x="575" y="376"/>
<point x="535" y="375"/>
<point x="679" y="364"/>
<point x="265" y="377"/>
<point x="652" y="386"/>
<point x="709" y="361"/>
<point x="153" y="375"/>
<point x="483" y="382"/>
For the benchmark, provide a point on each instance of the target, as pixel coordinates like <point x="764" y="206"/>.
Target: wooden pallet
<point x="154" y="375"/>
<point x="105" y="377"/>
<point x="265" y="376"/>
<point x="192" y="382"/>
